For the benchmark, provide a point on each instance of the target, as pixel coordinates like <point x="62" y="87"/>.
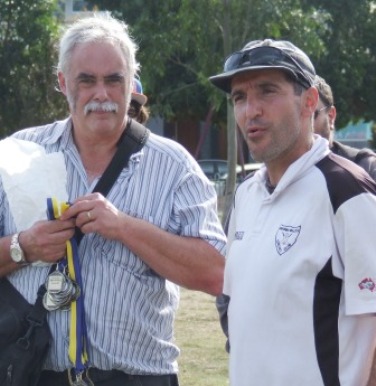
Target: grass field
<point x="203" y="359"/>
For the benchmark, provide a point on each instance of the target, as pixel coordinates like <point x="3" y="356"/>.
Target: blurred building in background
<point x="357" y="135"/>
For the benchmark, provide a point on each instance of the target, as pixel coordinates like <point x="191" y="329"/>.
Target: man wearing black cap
<point x="300" y="272"/>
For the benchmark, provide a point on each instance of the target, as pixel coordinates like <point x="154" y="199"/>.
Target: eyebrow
<point x="116" y="75"/>
<point x="234" y="93"/>
<point x="84" y="75"/>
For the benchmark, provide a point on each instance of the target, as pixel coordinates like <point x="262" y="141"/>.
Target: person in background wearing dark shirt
<point x="324" y="124"/>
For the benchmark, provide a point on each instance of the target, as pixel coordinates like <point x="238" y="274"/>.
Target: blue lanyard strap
<point x="77" y="350"/>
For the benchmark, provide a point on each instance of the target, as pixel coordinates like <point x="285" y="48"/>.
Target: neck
<point x="277" y="167"/>
<point x="96" y="155"/>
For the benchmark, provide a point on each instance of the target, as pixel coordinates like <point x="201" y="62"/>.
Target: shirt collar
<point x="61" y="131"/>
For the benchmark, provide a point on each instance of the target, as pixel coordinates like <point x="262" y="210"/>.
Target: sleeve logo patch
<point x="367" y="284"/>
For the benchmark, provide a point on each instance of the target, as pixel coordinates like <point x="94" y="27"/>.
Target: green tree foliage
<point x="182" y="42"/>
<point x="349" y="60"/>
<point x="27" y="81"/>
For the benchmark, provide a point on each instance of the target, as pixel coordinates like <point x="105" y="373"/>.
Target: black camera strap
<point x="132" y="140"/>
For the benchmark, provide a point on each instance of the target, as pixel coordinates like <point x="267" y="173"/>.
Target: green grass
<point x="203" y="359"/>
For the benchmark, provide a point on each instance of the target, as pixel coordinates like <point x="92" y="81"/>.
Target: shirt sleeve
<point x="368" y="163"/>
<point x="355" y="227"/>
<point x="195" y="211"/>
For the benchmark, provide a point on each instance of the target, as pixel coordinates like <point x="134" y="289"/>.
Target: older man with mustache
<point x="156" y="230"/>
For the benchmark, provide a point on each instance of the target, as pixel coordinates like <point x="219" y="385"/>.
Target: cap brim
<point x="223" y="81"/>
<point x="139" y="98"/>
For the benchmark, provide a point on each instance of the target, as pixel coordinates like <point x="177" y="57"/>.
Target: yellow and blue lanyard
<point x="77" y="351"/>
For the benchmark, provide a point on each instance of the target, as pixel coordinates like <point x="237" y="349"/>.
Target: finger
<point x="76" y="209"/>
<point x="88" y="197"/>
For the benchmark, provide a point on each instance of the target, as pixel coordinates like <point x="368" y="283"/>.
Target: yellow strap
<point x="59" y="209"/>
<point x="73" y="308"/>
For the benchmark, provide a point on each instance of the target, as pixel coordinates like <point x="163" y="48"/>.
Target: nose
<point x="253" y="107"/>
<point x="101" y="92"/>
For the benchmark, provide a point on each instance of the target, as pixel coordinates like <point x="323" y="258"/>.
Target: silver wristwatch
<point x="16" y="252"/>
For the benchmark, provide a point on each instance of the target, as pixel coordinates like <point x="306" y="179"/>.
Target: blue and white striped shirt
<point x="129" y="308"/>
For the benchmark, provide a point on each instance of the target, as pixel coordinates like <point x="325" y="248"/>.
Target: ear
<point x="62" y="83"/>
<point x="311" y="100"/>
<point x="332" y="114"/>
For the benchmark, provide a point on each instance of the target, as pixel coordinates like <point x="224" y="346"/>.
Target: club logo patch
<point x="367" y="284"/>
<point x="286" y="237"/>
<point x="239" y="235"/>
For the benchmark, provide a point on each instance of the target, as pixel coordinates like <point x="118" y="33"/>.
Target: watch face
<point x="16" y="254"/>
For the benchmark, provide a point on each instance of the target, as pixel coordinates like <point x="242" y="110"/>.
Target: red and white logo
<point x="367" y="284"/>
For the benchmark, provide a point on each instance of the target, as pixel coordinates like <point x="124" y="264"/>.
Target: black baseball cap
<point x="267" y="54"/>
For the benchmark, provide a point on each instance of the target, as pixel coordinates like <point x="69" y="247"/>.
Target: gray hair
<point x="99" y="28"/>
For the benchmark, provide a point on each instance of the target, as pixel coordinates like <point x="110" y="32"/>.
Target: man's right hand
<point x="46" y="240"/>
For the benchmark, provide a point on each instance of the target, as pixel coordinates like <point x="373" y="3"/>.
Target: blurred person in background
<point x="324" y="124"/>
<point x="137" y="109"/>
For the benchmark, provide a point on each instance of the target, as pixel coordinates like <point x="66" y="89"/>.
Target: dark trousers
<point x="109" y="378"/>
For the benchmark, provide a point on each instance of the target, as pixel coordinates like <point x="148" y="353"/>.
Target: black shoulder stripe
<point x="344" y="179"/>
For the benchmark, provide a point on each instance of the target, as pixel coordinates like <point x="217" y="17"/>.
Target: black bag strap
<point x="132" y="140"/>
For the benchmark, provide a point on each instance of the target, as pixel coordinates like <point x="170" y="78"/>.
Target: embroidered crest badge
<point x="286" y="237"/>
<point x="239" y="235"/>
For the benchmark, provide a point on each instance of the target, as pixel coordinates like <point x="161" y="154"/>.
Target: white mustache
<point x="98" y="106"/>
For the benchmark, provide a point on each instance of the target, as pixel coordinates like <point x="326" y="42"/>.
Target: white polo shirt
<point x="301" y="275"/>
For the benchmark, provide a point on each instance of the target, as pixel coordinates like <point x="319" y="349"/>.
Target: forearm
<point x="187" y="261"/>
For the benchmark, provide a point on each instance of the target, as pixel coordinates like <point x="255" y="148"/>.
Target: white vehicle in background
<point x="217" y="170"/>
